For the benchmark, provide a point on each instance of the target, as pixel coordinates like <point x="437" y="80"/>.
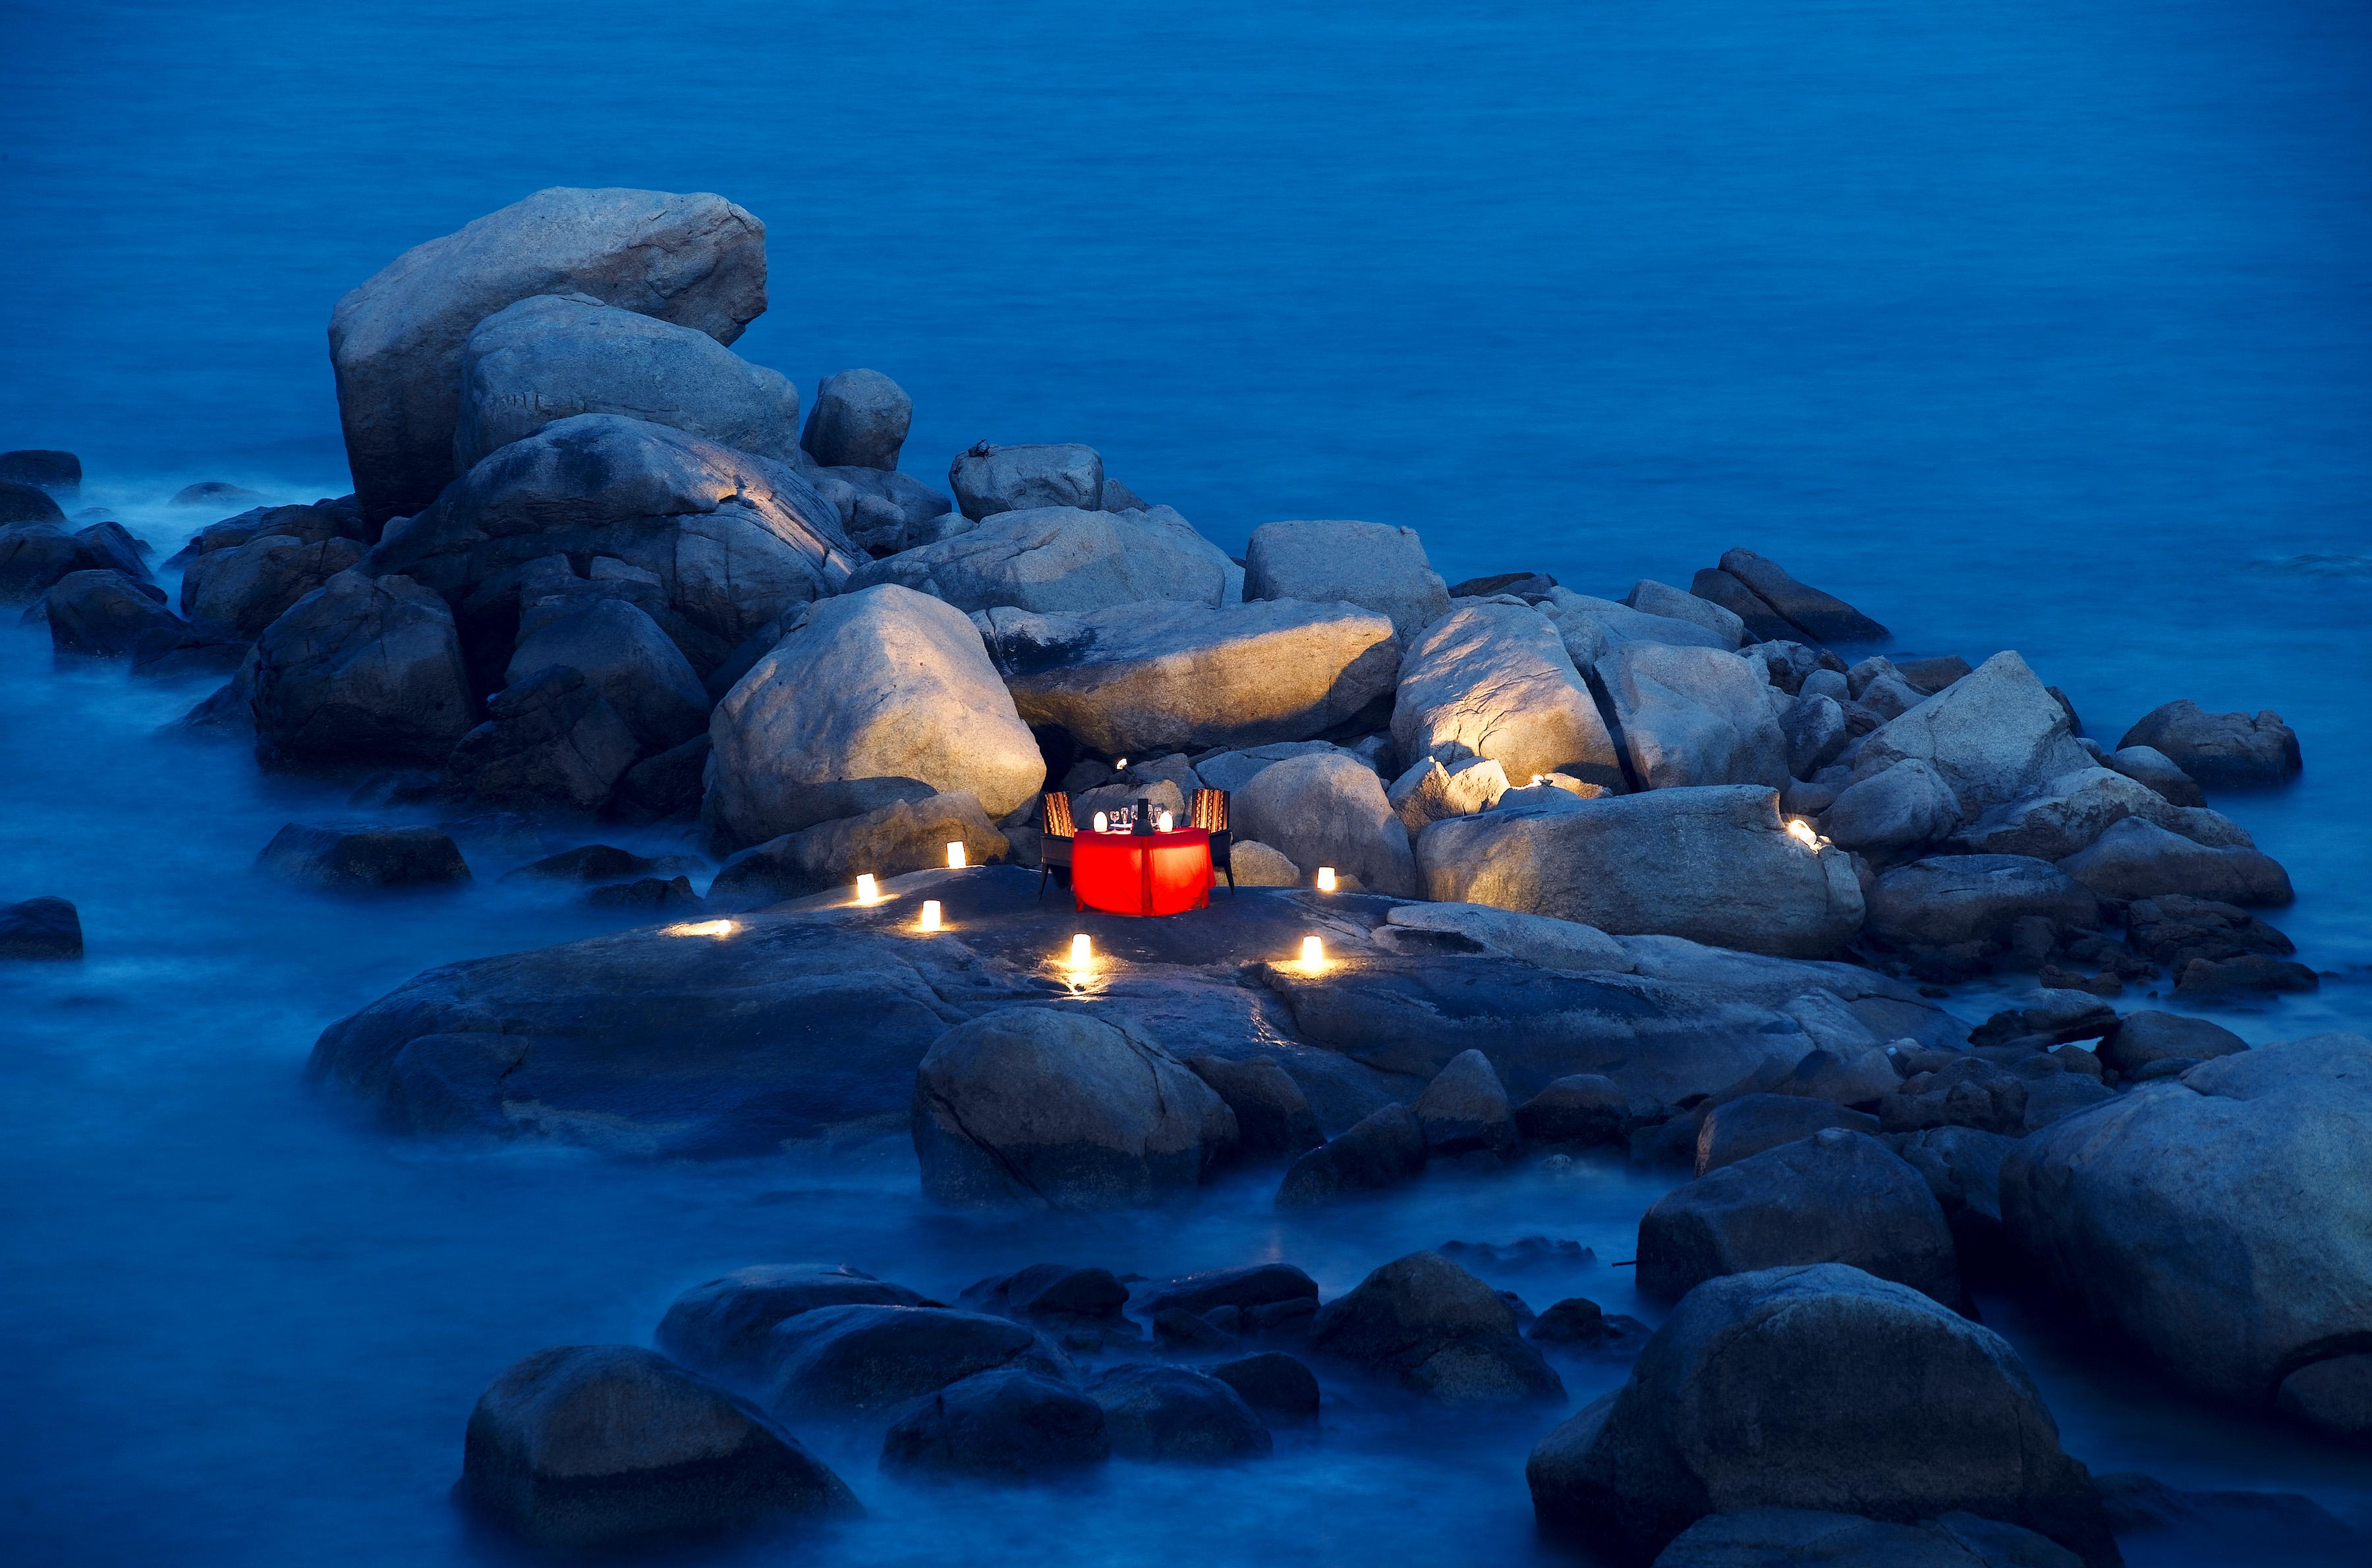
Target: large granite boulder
<point x="396" y="341"/>
<point x="732" y="540"/>
<point x="1326" y="809"/>
<point x="552" y="357"/>
<point x="873" y="697"/>
<point x="1821" y="617"/>
<point x="1835" y="1196"/>
<point x="1694" y="715"/>
<point x="1058" y="1109"/>
<point x="622" y="655"/>
<point x="2214" y="1219"/>
<point x="2224" y="749"/>
<point x="1993" y="734"/>
<point x="1373" y="565"/>
<point x="1974" y="902"/>
<point x="2138" y="859"/>
<point x="595" y="1445"/>
<point x="246" y="588"/>
<point x="1594" y="628"/>
<point x="723" y="1328"/>
<point x="362" y="669"/>
<point x="2146" y="1037"/>
<point x="550" y="739"/>
<point x="1906" y="808"/>
<point x="106" y="614"/>
<point x="905" y="835"/>
<point x="1714" y="865"/>
<point x="860" y="420"/>
<point x="1062" y="559"/>
<point x="988" y="480"/>
<point x="1815" y="1388"/>
<point x="1008" y="1425"/>
<point x="1157" y="677"/>
<point x="1495" y="681"/>
<point x="1429" y="791"/>
<point x="41" y="928"/>
<point x="1438" y="1331"/>
<point x="1651" y="597"/>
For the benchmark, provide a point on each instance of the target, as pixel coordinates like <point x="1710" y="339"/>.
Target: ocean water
<point x="2020" y="325"/>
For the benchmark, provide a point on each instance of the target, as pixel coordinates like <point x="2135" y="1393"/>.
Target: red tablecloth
<point x="1142" y="873"/>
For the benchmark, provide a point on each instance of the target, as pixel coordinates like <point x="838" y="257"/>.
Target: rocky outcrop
<point x="2221" y="749"/>
<point x="1694" y="715"/>
<point x="1273" y="1115"/>
<point x="41" y="928"/>
<point x="1970" y="904"/>
<point x="1062" y="559"/>
<point x="1429" y="791"/>
<point x="1906" y="808"/>
<point x="873" y="697"/>
<point x="1465" y="1110"/>
<point x="870" y="1360"/>
<point x="1435" y="1329"/>
<point x="1177" y="1413"/>
<point x="362" y="857"/>
<point x="1714" y="865"/>
<point x="1495" y="681"/>
<point x="246" y="588"/>
<point x="396" y="341"/>
<point x="2136" y="859"/>
<point x="905" y="835"/>
<point x="723" y="1328"/>
<point x="1157" y="676"/>
<point x="2204" y="1219"/>
<point x="1381" y="1150"/>
<point x="989" y="480"/>
<point x="550" y="739"/>
<point x="1325" y="809"/>
<point x="1817" y="616"/>
<point x="1768" y="1538"/>
<point x="553" y="357"/>
<point x="1373" y="565"/>
<point x="1994" y="736"/>
<point x="626" y="658"/>
<point x="106" y="614"/>
<point x="1736" y="1128"/>
<point x="361" y="670"/>
<point x="1814" y="1387"/>
<point x="1061" y="1110"/>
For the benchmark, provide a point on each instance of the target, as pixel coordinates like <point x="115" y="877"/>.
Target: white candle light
<point x="1164" y="822"/>
<point x="956" y="854"/>
<point x="1313" y="954"/>
<point x="930" y="915"/>
<point x="1325" y="882"/>
<point x="1801" y="831"/>
<point x="1081" y="955"/>
<point x="868" y="890"/>
<point x="1104" y="822"/>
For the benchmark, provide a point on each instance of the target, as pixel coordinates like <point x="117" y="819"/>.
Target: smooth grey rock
<point x="1232" y="771"/>
<point x="1946" y="901"/>
<point x="860" y="421"/>
<point x="1694" y="715"/>
<point x="1325" y="809"/>
<point x="1158" y="677"/>
<point x="1751" y="1124"/>
<point x="1465" y="1110"/>
<point x="1994" y="735"/>
<point x="1822" y="617"/>
<point x="1272" y="1116"/>
<point x="2146" y="1037"/>
<point x="1007" y="1425"/>
<point x="623" y="656"/>
<point x="1061" y="560"/>
<point x="1815" y="1388"/>
<point x="1382" y="1149"/>
<point x="905" y="835"/>
<point x="1814" y="727"/>
<point x="41" y="928"/>
<point x="875" y="696"/>
<point x="396" y="340"/>
<point x="1495" y="681"/>
<point x="2153" y="767"/>
<point x="592" y="1445"/>
<point x="1429" y="791"/>
<point x="2067" y="814"/>
<point x="105" y="614"/>
<point x="1651" y="597"/>
<point x="884" y="511"/>
<point x="361" y="670"/>
<point x="1373" y="565"/>
<point x="1908" y="806"/>
<point x="246" y="588"/>
<point x="2138" y="859"/>
<point x="1061" y="1110"/>
<point x="1533" y="940"/>
<point x="989" y="480"/>
<point x="2203" y="1218"/>
<point x="1593" y="629"/>
<point x="1714" y="865"/>
<point x="1176" y="1415"/>
<point x="1782" y="1538"/>
<point x="1438" y="1331"/>
<point x="550" y="739"/>
<point x="723" y="1328"/>
<point x="869" y="1360"/>
<point x="2220" y="749"/>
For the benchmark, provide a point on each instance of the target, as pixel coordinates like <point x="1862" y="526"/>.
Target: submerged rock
<point x="41" y="928"/>
<point x="868" y="1359"/>
<point x="1382" y="1149"/>
<point x="724" y="1327"/>
<point x="1007" y="1425"/>
<point x="1177" y="1413"/>
<point x="363" y="856"/>
<point x="106" y="614"/>
<point x="1438" y="1330"/>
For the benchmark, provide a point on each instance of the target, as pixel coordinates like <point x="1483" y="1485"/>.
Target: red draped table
<point x="1142" y="873"/>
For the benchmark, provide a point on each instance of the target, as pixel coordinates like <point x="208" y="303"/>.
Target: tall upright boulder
<point x="1495" y="681"/>
<point x="875" y="696"/>
<point x="860" y="421"/>
<point x="1694" y="715"/>
<point x="396" y="340"/>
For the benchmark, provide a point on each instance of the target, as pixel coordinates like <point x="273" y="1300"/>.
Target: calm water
<point x="2020" y="324"/>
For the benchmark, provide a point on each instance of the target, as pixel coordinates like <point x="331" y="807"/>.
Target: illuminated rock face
<point x="1994" y="736"/>
<point x="1495" y="681"/>
<point x="1694" y="715"/>
<point x="1373" y="565"/>
<point x="1327" y="809"/>
<point x="1062" y="560"/>
<point x="1714" y="865"/>
<point x="555" y="356"/>
<point x="874" y="697"/>
<point x="1167" y="676"/>
<point x="396" y="341"/>
<point x="2218" y="1221"/>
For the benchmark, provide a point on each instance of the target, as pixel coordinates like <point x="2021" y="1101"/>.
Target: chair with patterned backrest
<point x="1209" y="813"/>
<point x="1055" y="831"/>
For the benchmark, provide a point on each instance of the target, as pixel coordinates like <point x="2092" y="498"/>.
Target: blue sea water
<point x="2019" y="324"/>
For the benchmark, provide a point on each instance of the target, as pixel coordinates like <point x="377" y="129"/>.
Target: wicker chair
<point x="1209" y="813"/>
<point x="1055" y="831"/>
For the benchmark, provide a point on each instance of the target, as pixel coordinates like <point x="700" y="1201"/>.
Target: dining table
<point x="1142" y="874"/>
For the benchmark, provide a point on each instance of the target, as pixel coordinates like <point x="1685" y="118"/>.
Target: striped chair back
<point x="1058" y="815"/>
<point x="1209" y="811"/>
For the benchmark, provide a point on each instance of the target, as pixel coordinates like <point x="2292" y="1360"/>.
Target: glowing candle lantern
<point x="1313" y="954"/>
<point x="1081" y="954"/>
<point x="868" y="890"/>
<point x="1104" y="822"/>
<point x="1325" y="882"/>
<point x="955" y="855"/>
<point x="930" y="915"/>
<point x="1801" y="831"/>
<point x="1164" y="822"/>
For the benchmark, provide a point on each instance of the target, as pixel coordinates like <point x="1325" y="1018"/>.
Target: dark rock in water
<point x="109" y="546"/>
<point x="724" y="1327"/>
<point x="859" y="421"/>
<point x="2135" y="859"/>
<point x="216" y="493"/>
<point x="1060" y="1109"/>
<point x="1822" y="617"/>
<point x="1465" y="1110"/>
<point x="1175" y="1413"/>
<point x="905" y="835"/>
<point x="2251" y="971"/>
<point x="665" y="785"/>
<point x="988" y="480"/>
<point x="2334" y="1393"/>
<point x="362" y="670"/>
<point x="41" y="928"/>
<point x="362" y="857"/>
<point x="1525" y="1252"/>
<point x="1934" y="673"/>
<point x="1272" y="1381"/>
<point x="1053" y="1292"/>
<point x="1763" y="623"/>
<point x="312" y="523"/>
<point x="22" y="503"/>
<point x="1183" y="1330"/>
<point x="2175" y="930"/>
<point x="1272" y="1116"/>
<point x="2221" y="751"/>
<point x="1962" y="1167"/>
<point x="652" y="893"/>
<point x="1770" y="1537"/>
<point x="591" y="1444"/>
<point x="171" y="652"/>
<point x="1383" y="1149"/>
<point x="1970" y="904"/>
<point x="860" y="1359"/>
<point x="1968" y="1092"/>
<point x="2234" y="1526"/>
<point x="1814" y="1387"/>
<point x="1578" y="1320"/>
<point x="58" y="473"/>
<point x="1438" y="1330"/>
<point x="1251" y="1287"/>
<point x="1584" y="1107"/>
<point x="106" y="614"/>
<point x="34" y="555"/>
<point x="2052" y="1019"/>
<point x="552" y="741"/>
<point x="1008" y="1425"/>
<point x="587" y="863"/>
<point x="1523" y="585"/>
<point x="1751" y="1124"/>
<point x="625" y="657"/>
<point x="1835" y="1196"/>
<point x="246" y="588"/>
<point x="2140" y="1039"/>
